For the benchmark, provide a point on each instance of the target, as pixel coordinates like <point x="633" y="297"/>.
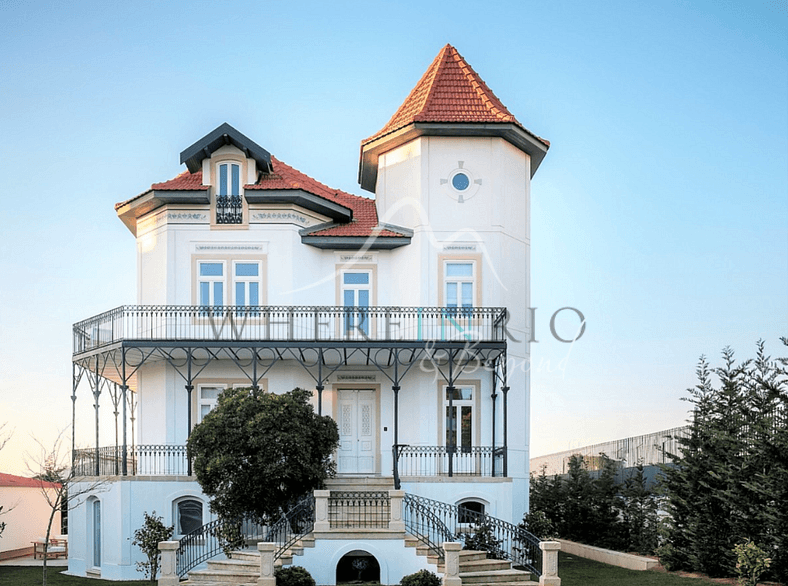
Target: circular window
<point x="460" y="181"/>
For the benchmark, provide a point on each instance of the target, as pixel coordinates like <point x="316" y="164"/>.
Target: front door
<point x="357" y="432"/>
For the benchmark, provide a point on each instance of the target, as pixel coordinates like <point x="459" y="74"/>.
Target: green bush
<point x="148" y="536"/>
<point x="751" y="563"/>
<point x="483" y="539"/>
<point x="293" y="576"/>
<point x="421" y="578"/>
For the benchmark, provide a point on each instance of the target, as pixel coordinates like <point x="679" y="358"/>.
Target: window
<point x="459" y="418"/>
<point x="230" y="282"/>
<point x="246" y="277"/>
<point x="469" y="512"/>
<point x="229" y="179"/>
<point x="208" y="395"/>
<point x="188" y="515"/>
<point x="356" y="293"/>
<point x="211" y="283"/>
<point x="229" y="208"/>
<point x="459" y="280"/>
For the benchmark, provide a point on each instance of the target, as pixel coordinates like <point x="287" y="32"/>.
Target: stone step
<point x="235" y="564"/>
<point x="484" y="565"/>
<point x="469" y="555"/>
<point x="223" y="576"/>
<point x="495" y="577"/>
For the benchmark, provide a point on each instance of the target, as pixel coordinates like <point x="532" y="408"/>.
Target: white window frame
<point x="176" y="513"/>
<point x="211" y="280"/>
<point x="457" y="405"/>
<point x="246" y="280"/>
<point x="207" y="402"/>
<point x="228" y="280"/>
<point x="230" y="187"/>
<point x="357" y="322"/>
<point x="458" y="282"/>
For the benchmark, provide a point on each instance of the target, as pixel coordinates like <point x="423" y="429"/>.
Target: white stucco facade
<point x="439" y="261"/>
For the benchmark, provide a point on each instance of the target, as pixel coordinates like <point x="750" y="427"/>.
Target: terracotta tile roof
<point x="22" y="482"/>
<point x="449" y="91"/>
<point x="365" y="215"/>
<point x="283" y="176"/>
<point x="184" y="182"/>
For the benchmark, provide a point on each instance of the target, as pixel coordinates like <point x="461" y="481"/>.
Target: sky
<point x="660" y="211"/>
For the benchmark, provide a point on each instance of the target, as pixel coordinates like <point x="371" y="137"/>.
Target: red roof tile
<point x="283" y="176"/>
<point x="184" y="182"/>
<point x="449" y="91"/>
<point x="22" y="482"/>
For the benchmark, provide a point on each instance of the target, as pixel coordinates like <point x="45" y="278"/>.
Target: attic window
<point x="229" y="209"/>
<point x="229" y="179"/>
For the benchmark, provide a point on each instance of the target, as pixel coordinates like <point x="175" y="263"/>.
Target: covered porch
<point x="112" y="348"/>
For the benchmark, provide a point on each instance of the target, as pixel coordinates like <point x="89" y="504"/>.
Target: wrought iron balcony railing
<point x="229" y="209"/>
<point x="163" y="323"/>
<point x="153" y="460"/>
<point x="456" y="461"/>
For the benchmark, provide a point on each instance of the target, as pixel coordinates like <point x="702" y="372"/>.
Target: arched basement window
<point x="188" y="515"/>
<point x="358" y="566"/>
<point x="469" y="511"/>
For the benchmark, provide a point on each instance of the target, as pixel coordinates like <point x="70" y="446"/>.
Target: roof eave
<point x="130" y="211"/>
<point x="223" y="135"/>
<point x="509" y="131"/>
<point x="303" y="199"/>
<point x="355" y="242"/>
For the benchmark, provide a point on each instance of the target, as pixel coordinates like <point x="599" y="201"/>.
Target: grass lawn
<point x="577" y="571"/>
<point x="31" y="576"/>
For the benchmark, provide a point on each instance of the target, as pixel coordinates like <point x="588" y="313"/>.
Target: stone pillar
<point x="396" y="522"/>
<point x="266" y="564"/>
<point x="451" y="573"/>
<point x="168" y="575"/>
<point x="549" y="575"/>
<point x="321" y="510"/>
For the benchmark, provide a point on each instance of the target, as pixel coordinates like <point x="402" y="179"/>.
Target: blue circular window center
<point x="460" y="181"/>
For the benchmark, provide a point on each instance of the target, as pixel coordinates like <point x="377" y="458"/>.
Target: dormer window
<point x="229" y="208"/>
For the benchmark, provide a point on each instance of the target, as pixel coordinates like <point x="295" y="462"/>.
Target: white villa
<point x="406" y="315"/>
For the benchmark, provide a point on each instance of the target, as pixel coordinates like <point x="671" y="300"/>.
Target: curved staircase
<point x="244" y="568"/>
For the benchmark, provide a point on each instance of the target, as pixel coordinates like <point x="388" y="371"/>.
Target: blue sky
<point x="661" y="210"/>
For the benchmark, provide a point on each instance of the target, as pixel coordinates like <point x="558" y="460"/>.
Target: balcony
<point x="161" y="325"/>
<point x="170" y="460"/>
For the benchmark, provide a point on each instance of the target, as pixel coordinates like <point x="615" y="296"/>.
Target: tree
<point x="59" y="485"/>
<point x="4" y="437"/>
<point x="257" y="453"/>
<point x="640" y="513"/>
<point x="148" y="536"/>
<point x="729" y="484"/>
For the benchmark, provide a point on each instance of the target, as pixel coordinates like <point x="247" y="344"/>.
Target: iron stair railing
<point x="211" y="539"/>
<point x="433" y="522"/>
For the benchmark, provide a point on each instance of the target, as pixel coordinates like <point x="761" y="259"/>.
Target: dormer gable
<point x="221" y="137"/>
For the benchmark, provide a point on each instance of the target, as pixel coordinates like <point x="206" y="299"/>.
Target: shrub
<point x="148" y="536"/>
<point x="483" y="539"/>
<point x="537" y="524"/>
<point x="421" y="578"/>
<point x="751" y="563"/>
<point x="293" y="576"/>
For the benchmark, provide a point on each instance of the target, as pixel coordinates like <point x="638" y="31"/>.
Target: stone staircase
<point x="243" y="568"/>
<point x="476" y="569"/>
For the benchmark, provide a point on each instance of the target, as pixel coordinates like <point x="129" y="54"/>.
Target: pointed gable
<point x="450" y="99"/>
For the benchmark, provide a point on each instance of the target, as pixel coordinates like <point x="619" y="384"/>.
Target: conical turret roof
<point x="449" y="91"/>
<point x="450" y="99"/>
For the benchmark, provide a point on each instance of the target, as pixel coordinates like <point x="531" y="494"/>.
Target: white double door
<point x="357" y="432"/>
